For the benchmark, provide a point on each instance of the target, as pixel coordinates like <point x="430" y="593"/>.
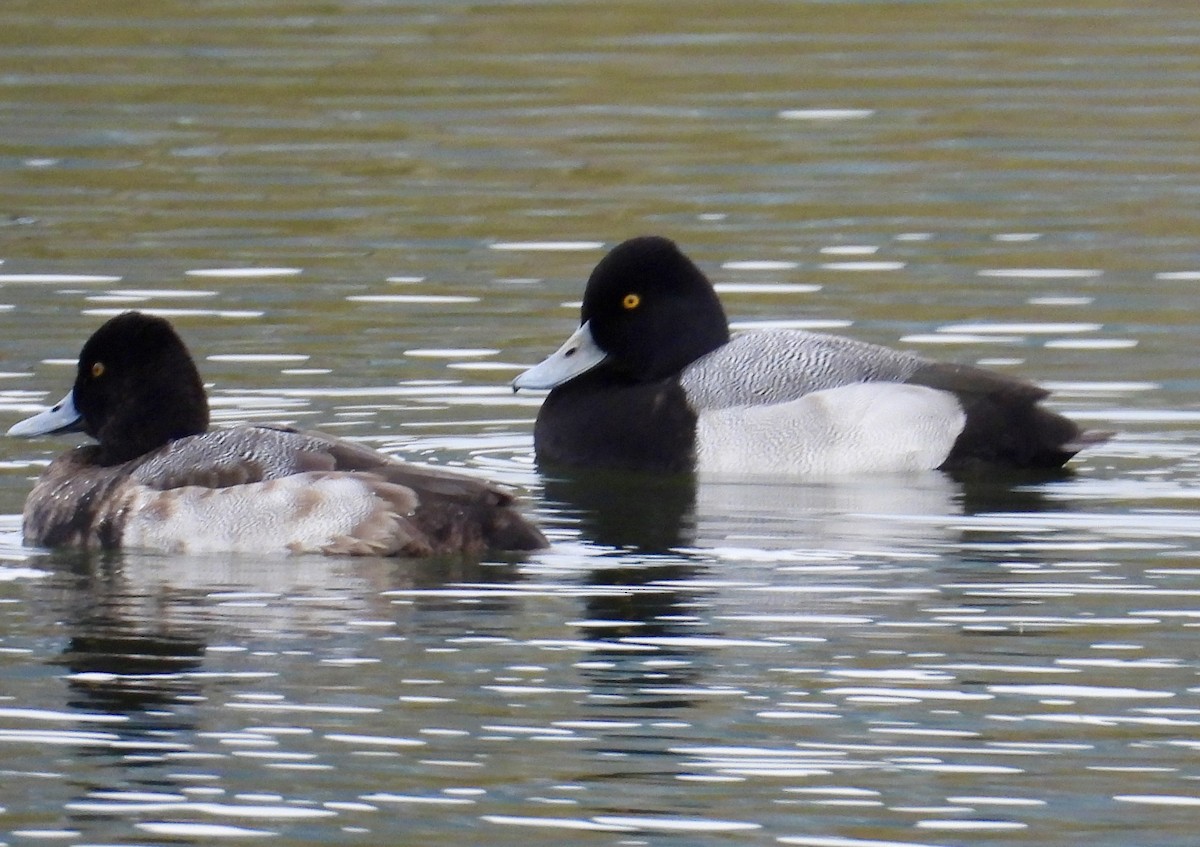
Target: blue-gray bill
<point x="59" y="418"/>
<point x="578" y="355"/>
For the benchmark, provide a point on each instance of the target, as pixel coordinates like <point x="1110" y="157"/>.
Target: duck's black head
<point x="651" y="309"/>
<point x="137" y="387"/>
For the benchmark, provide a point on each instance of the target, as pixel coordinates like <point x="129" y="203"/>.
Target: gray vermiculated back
<point x="233" y="455"/>
<point x="774" y="366"/>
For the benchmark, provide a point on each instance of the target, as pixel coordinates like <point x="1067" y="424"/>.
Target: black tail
<point x="1006" y="426"/>
<point x="1022" y="436"/>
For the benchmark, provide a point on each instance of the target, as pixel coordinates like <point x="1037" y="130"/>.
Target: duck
<point x="653" y="380"/>
<point x="159" y="479"/>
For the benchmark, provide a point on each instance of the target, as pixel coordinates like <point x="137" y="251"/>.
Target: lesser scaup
<point x="158" y="479"/>
<point x="651" y="380"/>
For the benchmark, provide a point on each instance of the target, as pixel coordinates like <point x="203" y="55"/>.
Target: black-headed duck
<point x="159" y="479"/>
<point x="653" y="381"/>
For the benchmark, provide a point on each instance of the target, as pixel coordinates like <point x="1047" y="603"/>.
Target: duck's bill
<point x="59" y="418"/>
<point x="578" y="355"/>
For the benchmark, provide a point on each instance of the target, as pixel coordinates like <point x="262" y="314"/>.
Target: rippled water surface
<point x="366" y="217"/>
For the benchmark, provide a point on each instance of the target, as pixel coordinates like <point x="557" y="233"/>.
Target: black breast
<point x="601" y="420"/>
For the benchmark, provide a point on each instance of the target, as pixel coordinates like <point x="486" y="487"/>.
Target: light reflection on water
<point x="368" y="218"/>
<point x="915" y="683"/>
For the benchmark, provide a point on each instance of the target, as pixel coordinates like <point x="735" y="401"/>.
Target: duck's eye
<point x="632" y="301"/>
<point x="98" y="370"/>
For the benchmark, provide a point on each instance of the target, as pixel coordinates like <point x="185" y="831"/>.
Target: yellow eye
<point x="98" y="369"/>
<point x="631" y="301"/>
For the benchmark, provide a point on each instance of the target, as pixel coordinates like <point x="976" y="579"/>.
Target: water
<point x="366" y="217"/>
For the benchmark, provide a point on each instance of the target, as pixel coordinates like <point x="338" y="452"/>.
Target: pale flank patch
<point x="298" y="514"/>
<point x="860" y="428"/>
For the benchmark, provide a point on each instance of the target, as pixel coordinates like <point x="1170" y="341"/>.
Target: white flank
<point x="301" y="513"/>
<point x="860" y="428"/>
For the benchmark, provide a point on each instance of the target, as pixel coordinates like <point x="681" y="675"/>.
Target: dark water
<point x="366" y="217"/>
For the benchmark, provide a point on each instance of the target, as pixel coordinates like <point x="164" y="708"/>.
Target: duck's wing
<point x="455" y="511"/>
<point x="297" y="451"/>
<point x="413" y="510"/>
<point x="1004" y="425"/>
<point x="223" y="458"/>
<point x="777" y="366"/>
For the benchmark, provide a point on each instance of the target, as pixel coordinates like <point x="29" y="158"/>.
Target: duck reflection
<point x="123" y="659"/>
<point x="641" y="520"/>
<point x="651" y="514"/>
<point x="890" y="514"/>
<point x="643" y="631"/>
<point x="155" y="646"/>
<point x="671" y="543"/>
<point x="625" y="510"/>
<point x="141" y="627"/>
<point x="118" y="670"/>
<point x="668" y="514"/>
